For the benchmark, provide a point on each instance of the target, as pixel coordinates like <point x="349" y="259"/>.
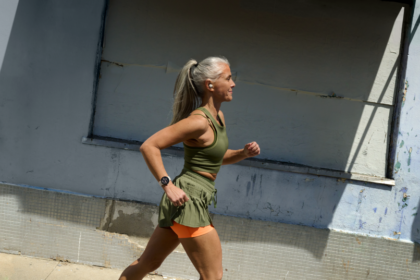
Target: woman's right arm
<point x="190" y="128"/>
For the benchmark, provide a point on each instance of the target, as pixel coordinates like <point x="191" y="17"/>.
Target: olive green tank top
<point x="210" y="158"/>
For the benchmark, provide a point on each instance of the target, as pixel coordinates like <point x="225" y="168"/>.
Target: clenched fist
<point x="175" y="194"/>
<point x="252" y="149"/>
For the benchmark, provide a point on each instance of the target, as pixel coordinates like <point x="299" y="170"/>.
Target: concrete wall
<point x="46" y="83"/>
<point x="291" y="62"/>
<point x="109" y="233"/>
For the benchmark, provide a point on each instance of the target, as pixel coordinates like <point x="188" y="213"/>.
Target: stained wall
<point x="46" y="88"/>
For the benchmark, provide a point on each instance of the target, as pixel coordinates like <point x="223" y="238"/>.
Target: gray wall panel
<point x="283" y="63"/>
<point x="45" y="106"/>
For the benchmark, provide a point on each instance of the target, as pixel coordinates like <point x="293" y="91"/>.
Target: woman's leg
<point x="205" y="252"/>
<point x="162" y="242"/>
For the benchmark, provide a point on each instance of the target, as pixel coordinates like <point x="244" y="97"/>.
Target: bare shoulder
<point x="196" y="121"/>
<point x="191" y="127"/>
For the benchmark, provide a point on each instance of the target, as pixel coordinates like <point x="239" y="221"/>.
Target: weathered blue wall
<point x="408" y="154"/>
<point x="46" y="83"/>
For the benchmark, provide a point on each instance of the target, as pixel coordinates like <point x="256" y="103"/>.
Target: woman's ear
<point x="209" y="85"/>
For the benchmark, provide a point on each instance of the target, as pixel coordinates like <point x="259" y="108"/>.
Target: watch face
<point x="164" y="180"/>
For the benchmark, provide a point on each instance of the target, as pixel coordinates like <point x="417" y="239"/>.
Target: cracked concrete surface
<point x="19" y="267"/>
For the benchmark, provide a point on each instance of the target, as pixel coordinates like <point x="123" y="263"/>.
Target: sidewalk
<point x="18" y="267"/>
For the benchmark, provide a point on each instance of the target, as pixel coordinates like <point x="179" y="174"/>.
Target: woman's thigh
<point x="162" y="242"/>
<point x="205" y="252"/>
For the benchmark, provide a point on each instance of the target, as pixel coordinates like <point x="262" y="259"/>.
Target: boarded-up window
<point x="315" y="80"/>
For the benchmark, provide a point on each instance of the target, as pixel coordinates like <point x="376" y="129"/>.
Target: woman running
<point x="183" y="210"/>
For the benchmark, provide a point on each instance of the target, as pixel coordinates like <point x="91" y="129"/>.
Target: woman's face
<point x="222" y="87"/>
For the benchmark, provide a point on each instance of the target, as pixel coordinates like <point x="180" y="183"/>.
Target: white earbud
<point x="210" y="85"/>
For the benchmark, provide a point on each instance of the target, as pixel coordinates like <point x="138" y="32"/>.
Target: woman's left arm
<point x="232" y="156"/>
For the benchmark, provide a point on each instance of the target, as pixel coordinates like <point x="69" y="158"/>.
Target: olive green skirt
<point x="194" y="213"/>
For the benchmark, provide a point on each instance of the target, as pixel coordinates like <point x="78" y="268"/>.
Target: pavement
<point x="19" y="267"/>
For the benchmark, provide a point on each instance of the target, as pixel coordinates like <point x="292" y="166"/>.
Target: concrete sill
<point x="252" y="162"/>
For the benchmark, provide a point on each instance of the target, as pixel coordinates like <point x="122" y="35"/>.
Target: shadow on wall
<point x="38" y="66"/>
<point x="39" y="207"/>
<point x="414" y="29"/>
<point x="301" y="200"/>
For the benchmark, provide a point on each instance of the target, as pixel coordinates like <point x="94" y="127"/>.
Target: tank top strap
<point x="208" y="119"/>
<point x="215" y="123"/>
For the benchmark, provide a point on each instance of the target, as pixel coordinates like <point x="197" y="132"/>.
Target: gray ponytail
<point x="189" y="85"/>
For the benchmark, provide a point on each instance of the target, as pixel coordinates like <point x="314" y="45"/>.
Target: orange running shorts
<point x="188" y="232"/>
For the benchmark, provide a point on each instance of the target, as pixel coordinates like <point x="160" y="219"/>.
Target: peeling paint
<point x="359" y="200"/>
<point x="397" y="166"/>
<point x="409" y="156"/>
<point x="404" y="93"/>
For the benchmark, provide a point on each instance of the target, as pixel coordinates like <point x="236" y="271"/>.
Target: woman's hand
<point x="251" y="149"/>
<point x="175" y="194"/>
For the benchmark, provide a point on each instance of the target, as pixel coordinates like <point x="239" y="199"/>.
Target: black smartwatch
<point x="164" y="181"/>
